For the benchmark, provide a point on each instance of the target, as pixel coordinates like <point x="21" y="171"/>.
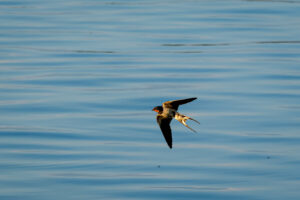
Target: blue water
<point x="78" y="80"/>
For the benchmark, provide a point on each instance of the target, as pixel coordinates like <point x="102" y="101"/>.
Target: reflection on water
<point x="78" y="82"/>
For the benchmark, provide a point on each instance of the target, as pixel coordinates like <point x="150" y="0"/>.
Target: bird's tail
<point x="193" y="120"/>
<point x="183" y="122"/>
<point x="183" y="118"/>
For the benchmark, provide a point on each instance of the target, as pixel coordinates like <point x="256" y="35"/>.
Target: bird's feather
<point x="176" y="103"/>
<point x="164" y="124"/>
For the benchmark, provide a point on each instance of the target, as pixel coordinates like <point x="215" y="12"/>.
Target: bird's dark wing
<point x="176" y="103"/>
<point x="164" y="124"/>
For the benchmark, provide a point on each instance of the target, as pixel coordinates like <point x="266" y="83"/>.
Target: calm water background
<point x="78" y="80"/>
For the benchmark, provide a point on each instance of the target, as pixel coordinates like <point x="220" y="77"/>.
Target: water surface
<point x="78" y="81"/>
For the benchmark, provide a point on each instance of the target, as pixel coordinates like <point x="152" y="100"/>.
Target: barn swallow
<point x="167" y="112"/>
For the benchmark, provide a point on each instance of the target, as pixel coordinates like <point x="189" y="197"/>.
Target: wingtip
<point x="193" y="98"/>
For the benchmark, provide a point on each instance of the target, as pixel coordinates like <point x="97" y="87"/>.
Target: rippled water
<point x="78" y="80"/>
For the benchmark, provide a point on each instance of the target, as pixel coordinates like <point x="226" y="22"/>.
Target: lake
<point x="79" y="79"/>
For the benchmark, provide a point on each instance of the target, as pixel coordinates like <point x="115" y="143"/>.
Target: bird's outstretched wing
<point x="176" y="103"/>
<point x="164" y="124"/>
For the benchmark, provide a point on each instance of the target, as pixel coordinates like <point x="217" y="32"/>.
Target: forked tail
<point x="183" y="118"/>
<point x="194" y="120"/>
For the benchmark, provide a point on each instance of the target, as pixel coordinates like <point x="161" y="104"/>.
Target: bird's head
<point x="158" y="109"/>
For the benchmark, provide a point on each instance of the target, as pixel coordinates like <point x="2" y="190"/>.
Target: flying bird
<point x="167" y="112"/>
